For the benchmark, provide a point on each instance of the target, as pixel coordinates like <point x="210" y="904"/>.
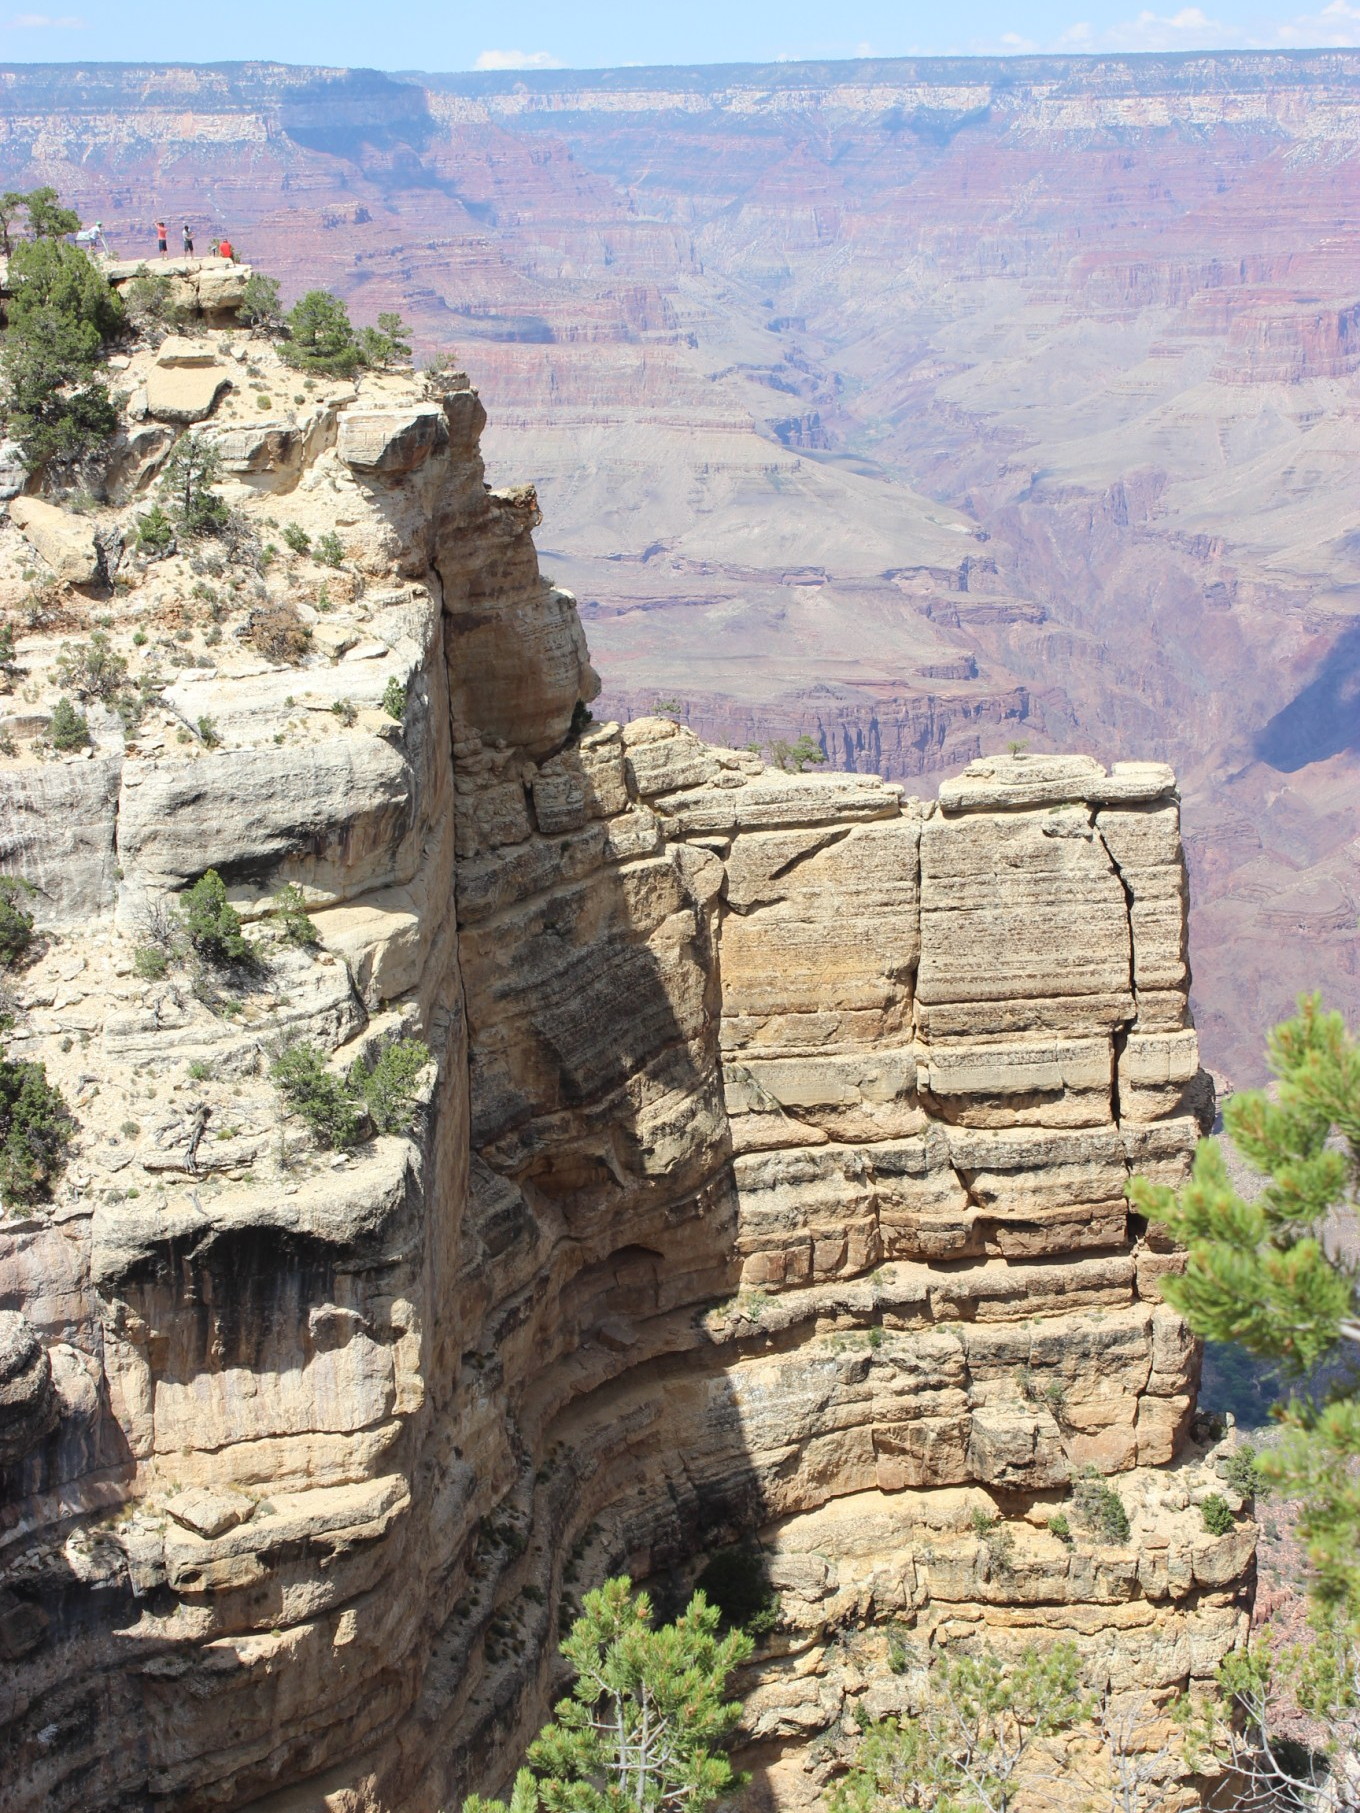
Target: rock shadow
<point x="1323" y="719"/>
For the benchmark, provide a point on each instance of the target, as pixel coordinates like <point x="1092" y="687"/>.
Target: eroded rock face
<point x="769" y="1180"/>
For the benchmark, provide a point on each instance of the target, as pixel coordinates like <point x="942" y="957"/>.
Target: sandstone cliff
<point x="768" y="1177"/>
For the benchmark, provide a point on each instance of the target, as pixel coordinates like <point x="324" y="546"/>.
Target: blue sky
<point x="586" y="34"/>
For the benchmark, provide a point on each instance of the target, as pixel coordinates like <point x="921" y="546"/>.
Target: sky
<point x="591" y="34"/>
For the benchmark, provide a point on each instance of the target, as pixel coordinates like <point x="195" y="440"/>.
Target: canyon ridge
<point x="919" y="406"/>
<point x="761" y="1176"/>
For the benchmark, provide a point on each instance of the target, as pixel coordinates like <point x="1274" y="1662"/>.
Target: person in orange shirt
<point x="224" y="250"/>
<point x="160" y="238"/>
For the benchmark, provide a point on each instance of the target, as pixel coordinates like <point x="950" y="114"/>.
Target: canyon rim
<point x="766" y="1178"/>
<point x="918" y="405"/>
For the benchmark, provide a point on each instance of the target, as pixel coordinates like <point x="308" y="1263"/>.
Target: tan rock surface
<point x="768" y="1179"/>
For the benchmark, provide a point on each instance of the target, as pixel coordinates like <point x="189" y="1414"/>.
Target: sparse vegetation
<point x="795" y="757"/>
<point x="290" y="906"/>
<point x="1217" y="1514"/>
<point x="36" y="1127"/>
<point x="394" y="699"/>
<point x="346" y="710"/>
<point x="321" y="1098"/>
<point x="155" y="533"/>
<point x="260" y="306"/>
<point x="16" y="925"/>
<point x="91" y="668"/>
<point x="1244" y="1473"/>
<point x="335" y="1107"/>
<point x="150" y="962"/>
<point x="278" y="631"/>
<point x="646" y="1726"/>
<point x="208" y="733"/>
<point x="61" y="317"/>
<point x="329" y="549"/>
<point x="1097" y="1507"/>
<point x="297" y="538"/>
<point x="69" y="728"/>
<point x="212" y="925"/>
<point x="321" y="337"/>
<point x="388" y="1090"/>
<point x="385" y="345"/>
<point x="737" y="1582"/>
<point x="193" y="468"/>
<point x="1059" y="1526"/>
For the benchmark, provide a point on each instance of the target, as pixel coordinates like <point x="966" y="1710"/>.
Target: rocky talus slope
<point x="767" y="1178"/>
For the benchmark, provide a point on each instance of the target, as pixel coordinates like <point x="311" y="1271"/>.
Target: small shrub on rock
<point x="193" y="468"/>
<point x="150" y="962"/>
<point x="321" y="337"/>
<point x="155" y="533"/>
<point x="91" y="668"/>
<point x="260" y="306"/>
<point x="389" y="1088"/>
<point x="291" y="906"/>
<point x="1245" y="1475"/>
<point x="737" y="1581"/>
<point x="330" y="550"/>
<point x="297" y="538"/>
<point x="1097" y="1507"/>
<point x="321" y="1098"/>
<point x="16" y="926"/>
<point x="279" y="632"/>
<point x="1217" y="1514"/>
<point x="394" y="699"/>
<point x="69" y="728"/>
<point x="212" y="925"/>
<point x="35" y="1130"/>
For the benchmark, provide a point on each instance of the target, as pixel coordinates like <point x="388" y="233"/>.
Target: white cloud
<point x="43" y="22"/>
<point x="516" y="59"/>
<point x="1336" y="27"/>
<point x="1189" y="29"/>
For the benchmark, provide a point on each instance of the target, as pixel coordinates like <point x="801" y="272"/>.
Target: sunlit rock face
<point x="767" y="1181"/>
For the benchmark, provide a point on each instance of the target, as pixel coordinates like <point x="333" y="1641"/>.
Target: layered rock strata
<point x="767" y="1179"/>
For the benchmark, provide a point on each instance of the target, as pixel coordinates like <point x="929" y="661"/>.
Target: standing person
<point x="224" y="250"/>
<point x="160" y="238"/>
<point x="188" y="241"/>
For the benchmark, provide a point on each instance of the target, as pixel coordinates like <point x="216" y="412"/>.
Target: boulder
<point x="391" y="441"/>
<point x="65" y="541"/>
<point x="186" y="380"/>
<point x="29" y="1406"/>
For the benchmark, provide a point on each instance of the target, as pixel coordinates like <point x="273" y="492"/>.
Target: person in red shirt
<point x="160" y="238"/>
<point x="224" y="250"/>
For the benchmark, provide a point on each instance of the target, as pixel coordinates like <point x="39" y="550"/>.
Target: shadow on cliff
<point x="1321" y="721"/>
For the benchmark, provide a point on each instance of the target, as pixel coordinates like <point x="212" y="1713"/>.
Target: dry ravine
<point x="767" y="1179"/>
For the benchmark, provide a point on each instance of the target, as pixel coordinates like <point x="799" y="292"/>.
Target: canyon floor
<point x="920" y="406"/>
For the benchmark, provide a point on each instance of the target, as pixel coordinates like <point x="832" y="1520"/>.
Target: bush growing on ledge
<point x="737" y="1581"/>
<point x="193" y="467"/>
<point x="330" y="550"/>
<point x="69" y="728"/>
<point x="1217" y="1514"/>
<point x="35" y="1130"/>
<point x="290" y="903"/>
<point x="212" y="924"/>
<point x="321" y="1098"/>
<point x="16" y="926"/>
<point x="394" y="699"/>
<point x="260" y="306"/>
<point x="1097" y="1507"/>
<point x="278" y="631"/>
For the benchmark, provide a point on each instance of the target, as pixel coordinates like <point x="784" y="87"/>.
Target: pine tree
<point x="1274" y="1275"/>
<point x="646" y="1726"/>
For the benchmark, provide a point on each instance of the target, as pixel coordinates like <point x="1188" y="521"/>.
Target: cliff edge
<point x="765" y="1182"/>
